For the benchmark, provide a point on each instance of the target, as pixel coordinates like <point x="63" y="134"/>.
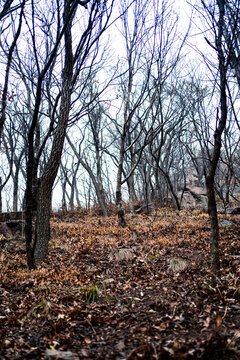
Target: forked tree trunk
<point x="37" y="251"/>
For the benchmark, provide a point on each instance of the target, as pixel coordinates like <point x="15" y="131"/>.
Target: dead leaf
<point x="84" y="352"/>
<point x="218" y="321"/>
<point x="120" y="346"/>
<point x="87" y="340"/>
<point x="206" y="323"/>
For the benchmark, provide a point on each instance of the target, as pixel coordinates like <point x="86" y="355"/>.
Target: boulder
<point x="226" y="223"/>
<point x="230" y="211"/>
<point x="233" y="211"/>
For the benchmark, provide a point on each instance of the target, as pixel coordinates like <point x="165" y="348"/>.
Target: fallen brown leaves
<point x="143" y="292"/>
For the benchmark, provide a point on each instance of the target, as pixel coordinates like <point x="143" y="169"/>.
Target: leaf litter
<point x="142" y="292"/>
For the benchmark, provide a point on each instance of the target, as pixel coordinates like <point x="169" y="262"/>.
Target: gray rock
<point x="51" y="354"/>
<point x="233" y="211"/>
<point x="226" y="223"/>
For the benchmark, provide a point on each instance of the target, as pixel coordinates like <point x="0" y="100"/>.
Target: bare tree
<point x="15" y="150"/>
<point x="9" y="55"/>
<point x="215" y="13"/>
<point x="39" y="191"/>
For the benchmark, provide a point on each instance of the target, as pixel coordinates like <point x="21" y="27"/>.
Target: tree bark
<point x="42" y="231"/>
<point x="0" y="195"/>
<point x="214" y="235"/>
<point x="131" y="192"/>
<point x="15" y="190"/>
<point x="120" y="211"/>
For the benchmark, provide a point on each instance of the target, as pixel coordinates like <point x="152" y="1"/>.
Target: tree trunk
<point x="102" y="197"/>
<point x="102" y="194"/>
<point x="71" y="199"/>
<point x="120" y="211"/>
<point x="131" y="192"/>
<point x="214" y="235"/>
<point x="30" y="205"/>
<point x="64" y="203"/>
<point x="212" y="208"/>
<point x="0" y="195"/>
<point x="77" y="195"/>
<point x="15" y="193"/>
<point x="172" y="192"/>
<point x="42" y="231"/>
<point x="42" y="227"/>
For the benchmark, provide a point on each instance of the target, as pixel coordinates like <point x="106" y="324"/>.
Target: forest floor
<point x="142" y="292"/>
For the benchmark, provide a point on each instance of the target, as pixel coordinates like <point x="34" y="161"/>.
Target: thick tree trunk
<point x="131" y="192"/>
<point x="214" y="235"/>
<point x="43" y="197"/>
<point x="102" y="202"/>
<point x="42" y="230"/>
<point x="101" y="197"/>
<point x="0" y="195"/>
<point x="120" y="211"/>
<point x="30" y="205"/>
